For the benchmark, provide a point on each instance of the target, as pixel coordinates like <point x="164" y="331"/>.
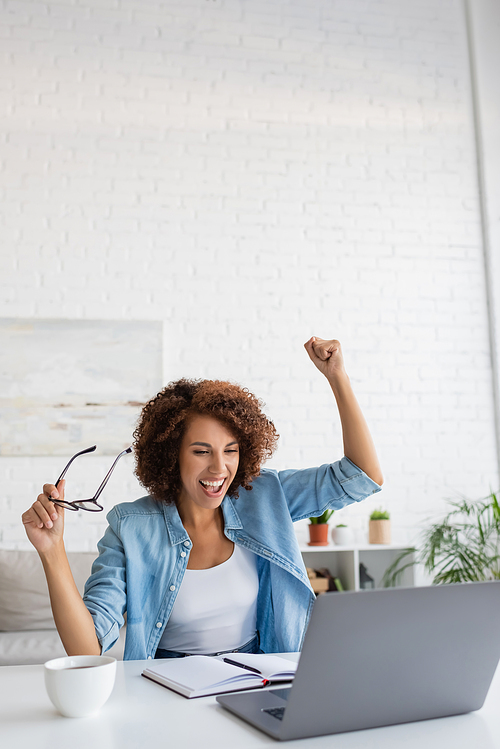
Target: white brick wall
<point x="483" y="17"/>
<point x="252" y="174"/>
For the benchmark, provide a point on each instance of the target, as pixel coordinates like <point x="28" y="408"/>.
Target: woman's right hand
<point x="44" y="521"/>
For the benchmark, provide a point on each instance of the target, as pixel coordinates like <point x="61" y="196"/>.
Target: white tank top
<point x="215" y="609"/>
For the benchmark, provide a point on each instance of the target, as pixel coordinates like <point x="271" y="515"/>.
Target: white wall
<point x="252" y="173"/>
<point x="484" y="33"/>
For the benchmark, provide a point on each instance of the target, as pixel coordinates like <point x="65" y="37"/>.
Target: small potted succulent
<point x="318" y="529"/>
<point x="380" y="527"/>
<point x="342" y="535"/>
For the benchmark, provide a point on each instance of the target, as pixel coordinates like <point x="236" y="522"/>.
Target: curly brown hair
<point x="163" y="422"/>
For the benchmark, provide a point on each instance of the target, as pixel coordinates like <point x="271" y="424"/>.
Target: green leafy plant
<point x="322" y="519"/>
<point x="463" y="547"/>
<point x="380" y="515"/>
<point x="341" y="525"/>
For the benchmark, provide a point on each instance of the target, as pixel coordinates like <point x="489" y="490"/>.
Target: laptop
<point x="381" y="657"/>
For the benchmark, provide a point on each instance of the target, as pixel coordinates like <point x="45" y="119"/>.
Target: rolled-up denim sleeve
<point x="105" y="592"/>
<point x="311" y="491"/>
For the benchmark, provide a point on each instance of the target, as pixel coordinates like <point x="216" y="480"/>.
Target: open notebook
<point x="200" y="675"/>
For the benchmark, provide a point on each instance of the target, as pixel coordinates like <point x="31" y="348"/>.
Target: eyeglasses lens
<point x="88" y="504"/>
<point x="63" y="503"/>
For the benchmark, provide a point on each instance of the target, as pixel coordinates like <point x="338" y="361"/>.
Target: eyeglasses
<point x="91" y="505"/>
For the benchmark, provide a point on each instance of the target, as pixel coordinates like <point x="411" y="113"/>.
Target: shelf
<point x="360" y="547"/>
<point x="343" y="562"/>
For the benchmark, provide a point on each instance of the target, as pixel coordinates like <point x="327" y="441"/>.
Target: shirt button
<point x="187" y="543"/>
<point x="183" y="553"/>
<point x="172" y="587"/>
<point x="158" y="624"/>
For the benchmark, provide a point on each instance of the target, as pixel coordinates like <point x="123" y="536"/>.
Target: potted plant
<point x="463" y="547"/>
<point x="379" y="527"/>
<point x="342" y="535"/>
<point x="318" y="529"/>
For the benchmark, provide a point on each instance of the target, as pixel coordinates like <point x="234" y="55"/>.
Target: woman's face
<point x="208" y="461"/>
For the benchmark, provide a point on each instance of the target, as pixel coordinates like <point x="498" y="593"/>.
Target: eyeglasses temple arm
<point x="106" y="478"/>
<point x="82" y="452"/>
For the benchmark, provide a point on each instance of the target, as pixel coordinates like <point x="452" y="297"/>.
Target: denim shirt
<point x="145" y="551"/>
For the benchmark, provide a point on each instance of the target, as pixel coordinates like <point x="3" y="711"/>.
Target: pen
<point x="240" y="665"/>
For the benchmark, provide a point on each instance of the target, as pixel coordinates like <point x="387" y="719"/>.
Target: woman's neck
<point x="205" y="528"/>
<point x="199" y="519"/>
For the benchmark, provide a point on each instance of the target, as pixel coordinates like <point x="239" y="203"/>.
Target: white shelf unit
<point x="343" y="562"/>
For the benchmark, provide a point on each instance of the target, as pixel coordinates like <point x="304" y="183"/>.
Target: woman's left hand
<point x="327" y="356"/>
<point x="358" y="443"/>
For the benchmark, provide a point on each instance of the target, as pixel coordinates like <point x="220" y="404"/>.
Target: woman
<point x="210" y="562"/>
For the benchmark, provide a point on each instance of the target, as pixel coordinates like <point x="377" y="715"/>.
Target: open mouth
<point x="213" y="488"/>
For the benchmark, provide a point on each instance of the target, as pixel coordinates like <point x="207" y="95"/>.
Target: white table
<point x="141" y="714"/>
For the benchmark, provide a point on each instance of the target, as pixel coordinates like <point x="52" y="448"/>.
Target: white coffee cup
<point x="79" y="685"/>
